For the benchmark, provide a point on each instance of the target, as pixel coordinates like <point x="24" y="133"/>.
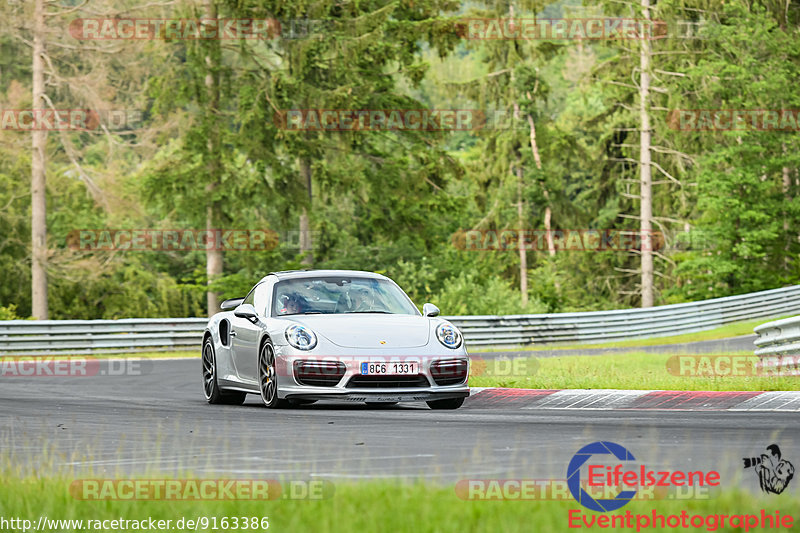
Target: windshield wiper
<point x="382" y="312"/>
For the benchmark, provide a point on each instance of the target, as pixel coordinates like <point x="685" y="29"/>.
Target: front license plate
<point x="389" y="369"/>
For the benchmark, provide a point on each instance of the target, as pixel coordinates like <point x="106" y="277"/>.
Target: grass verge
<point x="364" y="507"/>
<point x="637" y="371"/>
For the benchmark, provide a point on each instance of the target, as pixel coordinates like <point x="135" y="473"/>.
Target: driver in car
<point x="293" y="304"/>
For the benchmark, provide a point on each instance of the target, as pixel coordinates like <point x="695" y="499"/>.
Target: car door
<point x="245" y="343"/>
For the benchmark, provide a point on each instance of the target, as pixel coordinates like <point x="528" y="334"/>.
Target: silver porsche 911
<point x="303" y="336"/>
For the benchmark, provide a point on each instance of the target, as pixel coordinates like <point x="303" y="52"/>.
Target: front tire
<point x="268" y="378"/>
<point x="449" y="403"/>
<point x="211" y="390"/>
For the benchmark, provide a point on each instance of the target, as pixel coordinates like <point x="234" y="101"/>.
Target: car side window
<point x="250" y="298"/>
<point x="260" y="298"/>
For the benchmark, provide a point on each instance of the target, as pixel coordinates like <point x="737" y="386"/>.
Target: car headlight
<point x="448" y="335"/>
<point x="301" y="337"/>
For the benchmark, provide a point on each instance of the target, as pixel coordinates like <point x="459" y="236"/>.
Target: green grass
<point x="735" y="329"/>
<point x="637" y="371"/>
<point x="381" y="506"/>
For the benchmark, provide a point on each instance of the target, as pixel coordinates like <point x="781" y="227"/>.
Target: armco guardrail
<point x="781" y="337"/>
<point x="40" y="337"/>
<point x="173" y="334"/>
<point x="602" y="326"/>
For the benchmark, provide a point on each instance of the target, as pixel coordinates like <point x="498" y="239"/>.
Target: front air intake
<point x="449" y="372"/>
<point x="319" y="373"/>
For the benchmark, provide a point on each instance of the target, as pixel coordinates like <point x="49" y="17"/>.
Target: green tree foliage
<point x="748" y="202"/>
<point x="392" y="201"/>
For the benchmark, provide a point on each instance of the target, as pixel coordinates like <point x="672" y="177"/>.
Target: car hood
<point x="368" y="330"/>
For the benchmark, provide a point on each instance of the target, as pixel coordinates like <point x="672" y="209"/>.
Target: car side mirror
<point x="430" y="310"/>
<point x="230" y="304"/>
<point x="245" y="311"/>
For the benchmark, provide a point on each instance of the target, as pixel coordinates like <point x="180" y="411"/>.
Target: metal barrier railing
<point x="174" y="334"/>
<point x="780" y="337"/>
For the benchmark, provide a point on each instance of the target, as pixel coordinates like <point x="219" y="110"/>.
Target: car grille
<point x="319" y="373"/>
<point x="387" y="382"/>
<point x="449" y="372"/>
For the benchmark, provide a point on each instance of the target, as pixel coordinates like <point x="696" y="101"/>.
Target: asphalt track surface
<point x="155" y="421"/>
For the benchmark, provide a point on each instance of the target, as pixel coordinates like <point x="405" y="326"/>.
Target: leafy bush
<point x="470" y="294"/>
<point x="9" y="312"/>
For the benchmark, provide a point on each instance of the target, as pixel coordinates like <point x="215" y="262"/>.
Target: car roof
<point x="295" y="274"/>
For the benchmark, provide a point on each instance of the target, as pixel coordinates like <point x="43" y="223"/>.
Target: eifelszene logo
<point x="574" y="476"/>
<point x="774" y="473"/>
<point x="617" y="477"/>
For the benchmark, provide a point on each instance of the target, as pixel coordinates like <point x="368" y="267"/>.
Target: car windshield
<point x="338" y="295"/>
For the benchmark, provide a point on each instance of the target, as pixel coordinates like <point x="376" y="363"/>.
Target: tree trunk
<point x="548" y="212"/>
<point x="523" y="254"/>
<point x="214" y="264"/>
<point x="213" y="257"/>
<point x="786" y="186"/>
<point x="646" y="182"/>
<point x="38" y="176"/>
<point x="306" y="243"/>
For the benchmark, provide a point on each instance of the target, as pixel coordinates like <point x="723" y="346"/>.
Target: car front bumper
<point x="356" y="387"/>
<point x="377" y="396"/>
